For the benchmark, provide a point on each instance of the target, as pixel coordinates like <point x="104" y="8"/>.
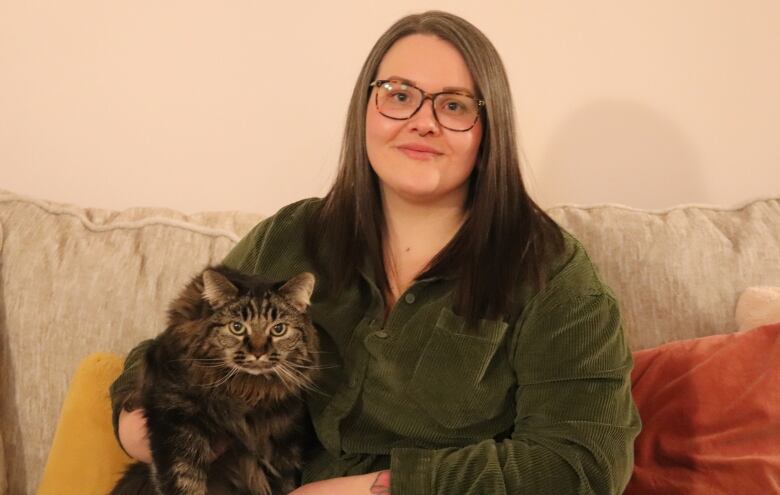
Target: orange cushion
<point x="710" y="409"/>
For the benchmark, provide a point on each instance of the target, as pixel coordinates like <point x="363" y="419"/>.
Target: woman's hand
<point x="133" y="435"/>
<point x="377" y="483"/>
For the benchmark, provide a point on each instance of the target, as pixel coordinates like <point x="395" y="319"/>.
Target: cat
<point x="222" y="388"/>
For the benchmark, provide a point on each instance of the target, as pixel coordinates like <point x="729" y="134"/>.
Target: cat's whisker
<point x="215" y="365"/>
<point x="302" y="380"/>
<point x="233" y="372"/>
<point x="202" y="362"/>
<point x="283" y="375"/>
<point x="214" y="359"/>
<point x="313" y="366"/>
<point x="298" y="380"/>
<point x="230" y="373"/>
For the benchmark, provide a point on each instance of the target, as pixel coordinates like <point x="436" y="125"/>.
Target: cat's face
<point x="261" y="333"/>
<point x="258" y="334"/>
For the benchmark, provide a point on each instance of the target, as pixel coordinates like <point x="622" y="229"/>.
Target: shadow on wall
<point x="612" y="151"/>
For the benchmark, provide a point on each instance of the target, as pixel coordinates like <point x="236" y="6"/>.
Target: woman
<point x="478" y="350"/>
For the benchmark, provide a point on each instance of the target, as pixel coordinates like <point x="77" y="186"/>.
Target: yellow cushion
<point x="85" y="457"/>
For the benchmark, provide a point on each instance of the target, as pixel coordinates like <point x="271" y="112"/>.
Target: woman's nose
<point x="424" y="120"/>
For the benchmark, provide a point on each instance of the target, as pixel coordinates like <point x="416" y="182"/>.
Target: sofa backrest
<point x="678" y="273"/>
<point x="74" y="281"/>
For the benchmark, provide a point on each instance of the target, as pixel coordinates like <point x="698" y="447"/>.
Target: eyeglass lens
<point x="453" y="111"/>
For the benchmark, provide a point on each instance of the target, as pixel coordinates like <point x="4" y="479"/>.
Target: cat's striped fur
<point x="222" y="388"/>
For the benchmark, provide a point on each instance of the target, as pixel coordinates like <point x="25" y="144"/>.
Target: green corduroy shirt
<point x="537" y="402"/>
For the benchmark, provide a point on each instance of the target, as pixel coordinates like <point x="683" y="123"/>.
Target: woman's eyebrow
<point x="455" y="88"/>
<point x="448" y="88"/>
<point x="401" y="79"/>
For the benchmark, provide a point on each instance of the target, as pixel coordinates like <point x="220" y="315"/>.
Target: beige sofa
<point x="76" y="280"/>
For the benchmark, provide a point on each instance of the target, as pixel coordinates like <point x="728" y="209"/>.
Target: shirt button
<point x="409" y="298"/>
<point x="381" y="334"/>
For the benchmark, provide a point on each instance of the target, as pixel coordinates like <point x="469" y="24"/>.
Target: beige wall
<point x="201" y="105"/>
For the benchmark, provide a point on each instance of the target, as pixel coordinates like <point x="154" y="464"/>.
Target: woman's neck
<point x="414" y="233"/>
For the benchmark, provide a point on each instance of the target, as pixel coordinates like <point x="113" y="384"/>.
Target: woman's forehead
<point x="428" y="62"/>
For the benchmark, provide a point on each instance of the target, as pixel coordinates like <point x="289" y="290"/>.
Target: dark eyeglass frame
<point x="428" y="96"/>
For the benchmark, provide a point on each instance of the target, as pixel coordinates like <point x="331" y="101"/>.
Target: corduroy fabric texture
<point x="676" y="274"/>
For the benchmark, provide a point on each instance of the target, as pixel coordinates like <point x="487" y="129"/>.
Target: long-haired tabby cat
<point x="222" y="388"/>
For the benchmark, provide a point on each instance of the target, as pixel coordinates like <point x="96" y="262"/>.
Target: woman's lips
<point x="418" y="154"/>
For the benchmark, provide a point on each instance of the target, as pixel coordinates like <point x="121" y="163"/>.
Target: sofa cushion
<point x="678" y="273"/>
<point x="758" y="306"/>
<point x="710" y="410"/>
<point x="80" y="280"/>
<point x="85" y="435"/>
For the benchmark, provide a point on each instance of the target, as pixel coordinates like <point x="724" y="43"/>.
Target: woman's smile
<point x="419" y="151"/>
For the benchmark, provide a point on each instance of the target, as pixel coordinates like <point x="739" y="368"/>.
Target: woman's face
<point x="440" y="176"/>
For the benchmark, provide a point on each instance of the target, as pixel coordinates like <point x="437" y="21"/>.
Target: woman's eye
<point x="278" y="330"/>
<point x="237" y="328"/>
<point x="454" y="107"/>
<point x="400" y="97"/>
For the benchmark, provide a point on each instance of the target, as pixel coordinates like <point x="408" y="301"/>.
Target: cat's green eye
<point x="278" y="330"/>
<point x="237" y="328"/>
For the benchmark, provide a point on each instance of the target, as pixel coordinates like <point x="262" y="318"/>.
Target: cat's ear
<point x="297" y="291"/>
<point x="217" y="289"/>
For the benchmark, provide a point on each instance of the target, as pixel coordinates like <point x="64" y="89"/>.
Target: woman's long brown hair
<point x="506" y="239"/>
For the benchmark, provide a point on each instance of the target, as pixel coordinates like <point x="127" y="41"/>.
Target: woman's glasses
<point x="453" y="110"/>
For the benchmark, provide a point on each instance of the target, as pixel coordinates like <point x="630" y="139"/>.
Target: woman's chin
<point x="421" y="193"/>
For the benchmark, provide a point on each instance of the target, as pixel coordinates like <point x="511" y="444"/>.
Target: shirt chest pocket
<point x="463" y="376"/>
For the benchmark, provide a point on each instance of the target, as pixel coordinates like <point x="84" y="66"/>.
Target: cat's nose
<point x="257" y="345"/>
<point x="256" y="356"/>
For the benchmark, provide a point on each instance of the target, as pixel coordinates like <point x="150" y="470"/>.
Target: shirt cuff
<point x="410" y="472"/>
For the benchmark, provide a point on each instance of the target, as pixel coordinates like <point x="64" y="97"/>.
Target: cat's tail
<point x="135" y="481"/>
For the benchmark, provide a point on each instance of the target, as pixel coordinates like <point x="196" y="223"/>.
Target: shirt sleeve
<point x="273" y="243"/>
<point x="575" y="422"/>
<point x="244" y="255"/>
